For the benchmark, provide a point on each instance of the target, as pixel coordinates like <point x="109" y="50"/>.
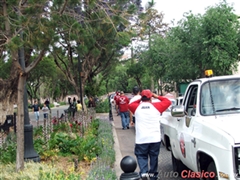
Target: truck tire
<point x="212" y="168"/>
<point x="178" y="166"/>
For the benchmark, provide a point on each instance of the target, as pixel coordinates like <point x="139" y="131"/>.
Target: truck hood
<point x="229" y="124"/>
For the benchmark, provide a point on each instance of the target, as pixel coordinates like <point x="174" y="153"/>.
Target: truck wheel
<point x="178" y="166"/>
<point x="212" y="168"/>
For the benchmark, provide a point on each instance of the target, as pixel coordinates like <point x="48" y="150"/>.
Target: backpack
<point x="74" y="105"/>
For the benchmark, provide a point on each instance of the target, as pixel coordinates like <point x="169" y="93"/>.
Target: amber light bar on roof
<point x="208" y="73"/>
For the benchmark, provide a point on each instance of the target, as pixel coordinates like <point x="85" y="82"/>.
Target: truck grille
<point x="237" y="161"/>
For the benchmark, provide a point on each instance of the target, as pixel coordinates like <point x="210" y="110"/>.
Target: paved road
<point x="56" y="111"/>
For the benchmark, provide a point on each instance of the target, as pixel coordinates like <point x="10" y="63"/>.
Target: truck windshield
<point x="225" y="97"/>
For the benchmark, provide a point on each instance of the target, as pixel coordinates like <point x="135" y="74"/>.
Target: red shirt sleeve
<point x="163" y="105"/>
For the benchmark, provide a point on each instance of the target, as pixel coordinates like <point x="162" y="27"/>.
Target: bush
<point x="103" y="167"/>
<point x="96" y="147"/>
<point x="102" y="106"/>
<point x="62" y="103"/>
<point x="8" y="149"/>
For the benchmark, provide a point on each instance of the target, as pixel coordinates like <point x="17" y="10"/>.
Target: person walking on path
<point x="72" y="106"/>
<point x="116" y="97"/>
<point x="122" y="104"/>
<point x="47" y="102"/>
<point x="91" y="102"/>
<point x="36" y="109"/>
<point x="79" y="106"/>
<point x="45" y="110"/>
<point x="137" y="96"/>
<point x="148" y="135"/>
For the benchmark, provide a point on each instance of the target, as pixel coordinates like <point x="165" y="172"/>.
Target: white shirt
<point x="148" y="118"/>
<point x="134" y="98"/>
<point x="148" y="124"/>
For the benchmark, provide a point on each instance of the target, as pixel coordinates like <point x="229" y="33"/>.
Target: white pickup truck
<point x="203" y="133"/>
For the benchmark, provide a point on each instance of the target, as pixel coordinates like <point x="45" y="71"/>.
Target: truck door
<point x="185" y="127"/>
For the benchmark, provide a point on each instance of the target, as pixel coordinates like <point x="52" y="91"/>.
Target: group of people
<point x="74" y="106"/>
<point x="45" y="109"/>
<point x="144" y="110"/>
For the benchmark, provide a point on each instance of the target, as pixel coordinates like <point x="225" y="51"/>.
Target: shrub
<point x="62" y="103"/>
<point x="36" y="171"/>
<point x="95" y="147"/>
<point x="103" y="167"/>
<point x="102" y="106"/>
<point x="8" y="149"/>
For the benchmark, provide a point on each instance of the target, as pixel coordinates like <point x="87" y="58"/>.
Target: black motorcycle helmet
<point x="135" y="90"/>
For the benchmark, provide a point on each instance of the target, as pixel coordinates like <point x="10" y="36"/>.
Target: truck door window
<point x="191" y="102"/>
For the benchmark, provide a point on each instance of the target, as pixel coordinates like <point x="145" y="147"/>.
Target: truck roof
<point x="217" y="78"/>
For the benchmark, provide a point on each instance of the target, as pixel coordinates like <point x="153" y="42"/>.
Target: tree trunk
<point x="20" y="124"/>
<point x="6" y="106"/>
<point x="8" y="96"/>
<point x="77" y="90"/>
<point x="152" y="84"/>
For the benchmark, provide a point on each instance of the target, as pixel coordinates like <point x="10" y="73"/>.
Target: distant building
<point x="238" y="69"/>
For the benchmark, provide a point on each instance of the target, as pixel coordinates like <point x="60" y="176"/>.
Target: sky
<point x="174" y="9"/>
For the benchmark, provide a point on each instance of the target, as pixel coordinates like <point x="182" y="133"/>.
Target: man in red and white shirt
<point x="122" y="103"/>
<point x="148" y="135"/>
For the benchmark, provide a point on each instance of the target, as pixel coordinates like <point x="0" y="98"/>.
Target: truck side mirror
<point x="193" y="112"/>
<point x="178" y="111"/>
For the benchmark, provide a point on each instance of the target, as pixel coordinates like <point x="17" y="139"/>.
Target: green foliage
<point x="220" y="28"/>
<point x="4" y="69"/>
<point x="103" y="167"/>
<point x="102" y="106"/>
<point x="124" y="38"/>
<point x="62" y="103"/>
<point x="36" y="171"/>
<point x="97" y="142"/>
<point x="58" y="176"/>
<point x="137" y="71"/>
<point x="197" y="43"/>
<point x="8" y="149"/>
<point x="45" y="72"/>
<point x="65" y="144"/>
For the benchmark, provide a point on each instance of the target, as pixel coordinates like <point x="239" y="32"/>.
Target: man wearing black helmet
<point x="136" y="93"/>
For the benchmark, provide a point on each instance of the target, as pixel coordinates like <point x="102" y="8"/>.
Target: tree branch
<point x="35" y="62"/>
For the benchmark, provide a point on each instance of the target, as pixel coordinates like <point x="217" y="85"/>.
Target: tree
<point x="32" y="28"/>
<point x="137" y="71"/>
<point x="44" y="72"/>
<point x="98" y="33"/>
<point x="26" y="31"/>
<point x="220" y="28"/>
<point x="151" y="23"/>
<point x="204" y="42"/>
